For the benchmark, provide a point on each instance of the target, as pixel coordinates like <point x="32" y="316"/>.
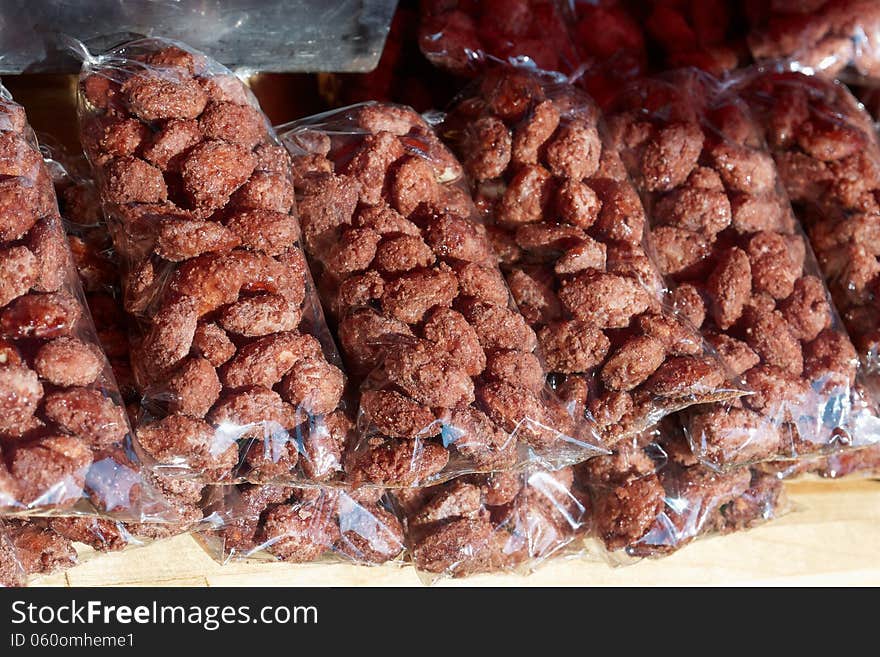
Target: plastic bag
<point x="239" y="376"/>
<point x="569" y="230"/>
<point x="854" y="463"/>
<point x="29" y="547"/>
<point x="652" y="497"/>
<point x="462" y="36"/>
<point x="301" y="525"/>
<point x="450" y="379"/>
<point x="828" y="157"/>
<point x="725" y="235"/>
<point x="62" y="418"/>
<point x="831" y="37"/>
<point x="502" y="522"/>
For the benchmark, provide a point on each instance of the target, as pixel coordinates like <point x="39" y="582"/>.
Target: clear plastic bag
<point x="450" y="379"/>
<point x="301" y="525"/>
<point x="462" y="36"/>
<point x="652" y="497"/>
<point x="65" y="441"/>
<point x="501" y="522"/>
<point x="570" y="233"/>
<point x="853" y="463"/>
<point x="830" y="37"/>
<point x="724" y="233"/>
<point x="239" y="377"/>
<point x="30" y="547"/>
<point x="828" y="156"/>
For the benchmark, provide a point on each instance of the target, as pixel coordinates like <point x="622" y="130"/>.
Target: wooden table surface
<point x="831" y="538"/>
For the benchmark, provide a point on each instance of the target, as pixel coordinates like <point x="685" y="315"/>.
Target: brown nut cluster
<point x="32" y="547"/>
<point x="498" y="522"/>
<point x="202" y="214"/>
<point x="569" y="229"/>
<point x="725" y="235"/>
<point x="302" y="525"/>
<point x="60" y="407"/>
<point x="450" y="379"/>
<point x="458" y="36"/>
<point x="651" y="497"/>
<point x="828" y="156"/>
<point x="826" y="35"/>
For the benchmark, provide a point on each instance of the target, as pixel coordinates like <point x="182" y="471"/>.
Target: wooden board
<point x="831" y="538"/>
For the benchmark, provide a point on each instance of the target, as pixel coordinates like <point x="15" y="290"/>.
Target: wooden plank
<point x="832" y="538"/>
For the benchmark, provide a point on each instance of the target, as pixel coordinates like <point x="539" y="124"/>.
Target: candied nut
<point x="527" y="196"/>
<point x="507" y="251"/>
<point x="577" y="203"/>
<point x="632" y="363"/>
<point x="326" y="203"/>
<point x="370" y="165"/>
<point x="452" y="333"/>
<point x="573" y="152"/>
<point x="677" y="249"/>
<point x="131" y="180"/>
<point x="698" y="210"/>
<point x="18" y="208"/>
<point x="744" y="169"/>
<point x="499" y="327"/>
<point x="298" y="532"/>
<point x="266" y="361"/>
<point x="213" y="170"/>
<point x="775" y="393"/>
<point x="51" y="470"/>
<point x="365" y="335"/>
<point x="625" y="514"/>
<point x="428" y="375"/>
<point x="68" y="361"/>
<point x="178" y="240"/>
<point x="736" y="354"/>
<point x="509" y="93"/>
<point x="530" y="135"/>
<point x="369" y="535"/>
<point x="359" y="290"/>
<point x="521" y="413"/>
<point x="354" y="251"/>
<point x="87" y="414"/>
<point x="532" y="289"/>
<point x="211" y="342"/>
<point x="484" y="283"/>
<point x="171" y="334"/>
<point x="178" y="439"/>
<point x="829" y="140"/>
<point x="453" y="237"/>
<point x="239" y="124"/>
<point x="253" y="412"/>
<point x="40" y="316"/>
<point x="677" y="338"/>
<point x="772" y="339"/>
<point x="461" y="546"/>
<point x="730" y="434"/>
<point x="478" y="439"/>
<point x="413" y="294"/>
<point x="385" y="220"/>
<point x="670" y="155"/>
<point x="260" y="315"/>
<point x="606" y="300"/>
<point x="400" y="463"/>
<point x="323" y="445"/>
<point x="18" y="273"/>
<point x="454" y="500"/>
<point x="622" y="216"/>
<point x="589" y="254"/>
<point x="776" y="263"/>
<point x="20" y="393"/>
<point x="264" y="230"/>
<point x="191" y="389"/>
<point x="729" y="287"/>
<point x="46" y="241"/>
<point x="152" y="96"/>
<point x="572" y="346"/>
<point x="175" y="138"/>
<point x="518" y="368"/>
<point x="397" y="416"/>
<point x="830" y="358"/>
<point x="806" y="309"/>
<point x="686" y="376"/>
<point x="402" y="253"/>
<point x="752" y="214"/>
<point x="265" y="190"/>
<point x="109" y="137"/>
<point x="412" y="185"/>
<point x="313" y="385"/>
<point x="546" y="239"/>
<point x="486" y="145"/>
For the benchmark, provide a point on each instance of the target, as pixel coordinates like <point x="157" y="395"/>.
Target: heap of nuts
<point x="828" y="158"/>
<point x="302" y="525"/>
<point x="652" y="497"/>
<point x="424" y="317"/>
<point x="200" y="204"/>
<point x="725" y="234"/>
<point x="496" y="522"/>
<point x="61" y="419"/>
<point x="569" y="228"/>
<point x="827" y="35"/>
